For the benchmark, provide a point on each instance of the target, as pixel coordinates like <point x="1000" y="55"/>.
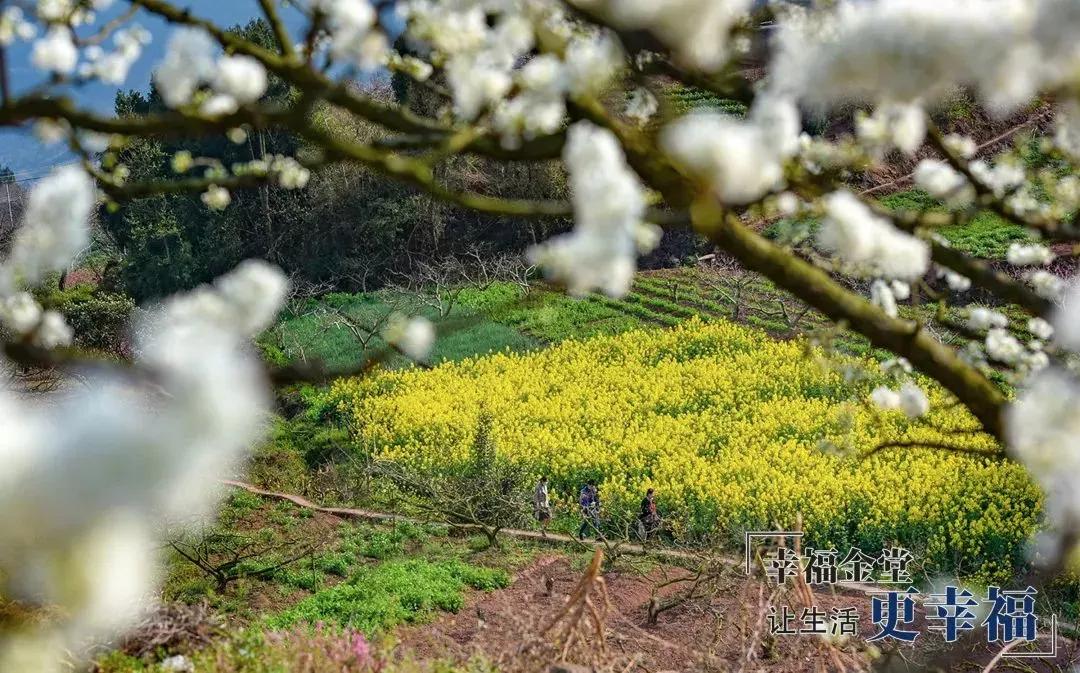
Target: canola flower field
<point x="735" y="431"/>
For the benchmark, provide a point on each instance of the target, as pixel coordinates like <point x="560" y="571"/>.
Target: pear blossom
<point x="906" y="50"/>
<point x="641" y="105"/>
<point x="981" y="318"/>
<point x="55" y="52"/>
<point x="955" y="281"/>
<point x="893" y="125"/>
<point x="942" y="182"/>
<point x="188" y="63"/>
<point x="13" y="26"/>
<point x="1046" y="284"/>
<point x="869" y="243"/>
<point x="413" y="336"/>
<point x="1040" y="328"/>
<point x="1041" y="427"/>
<point x="913" y="400"/>
<point x="885" y="398"/>
<point x="697" y="31"/>
<point x="609" y="204"/>
<point x="881" y="295"/>
<point x="53" y="331"/>
<point x="1020" y="254"/>
<point x="216" y="198"/>
<point x="85" y="484"/>
<point x="742" y="159"/>
<point x="1002" y="346"/>
<point x="55" y="224"/>
<point x="962" y="146"/>
<point x="1066" y="318"/>
<point x="20" y="312"/>
<point x="241" y="77"/>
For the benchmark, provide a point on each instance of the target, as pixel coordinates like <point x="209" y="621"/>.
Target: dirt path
<point x="518" y="533"/>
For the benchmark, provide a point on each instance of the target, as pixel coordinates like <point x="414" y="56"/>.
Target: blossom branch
<point x="816" y="288"/>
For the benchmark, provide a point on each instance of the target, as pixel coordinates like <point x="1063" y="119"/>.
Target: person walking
<point x="542" y="504"/>
<point x="648" y="518"/>
<point x="589" y="501"/>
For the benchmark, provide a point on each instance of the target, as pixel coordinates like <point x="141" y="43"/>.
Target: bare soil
<point x="725" y="630"/>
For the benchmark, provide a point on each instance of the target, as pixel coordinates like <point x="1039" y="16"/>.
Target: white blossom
<point x="697" y="31"/>
<point x="1066" y="318"/>
<point x="896" y="366"/>
<point x="13" y="26"/>
<point x="1040" y="328"/>
<point x="353" y="34"/>
<point x="609" y="204"/>
<point x="1002" y="346"/>
<point x="885" y="398"/>
<point x="241" y="77"/>
<point x="907" y="50"/>
<point x="216" y="198"/>
<point x="53" y="331"/>
<point x="413" y="336"/>
<point x="55" y="52"/>
<point x="113" y="67"/>
<point x="881" y="295"/>
<point x="1041" y="428"/>
<point x="956" y="282"/>
<point x="868" y="242"/>
<point x="913" y="400"/>
<point x="1046" y="284"/>
<point x="981" y="318"/>
<point x="742" y="159"/>
<point x="188" y="63"/>
<point x="1020" y="254"/>
<point x="55" y="224"/>
<point x="893" y="125"/>
<point x="1004" y="176"/>
<point x="20" y="312"/>
<point x="962" y="146"/>
<point x="900" y="290"/>
<point x="85" y="483"/>
<point x="942" y="182"/>
<point x="641" y="105"/>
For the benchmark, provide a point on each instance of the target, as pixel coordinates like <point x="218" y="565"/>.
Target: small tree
<point x="488" y="491"/>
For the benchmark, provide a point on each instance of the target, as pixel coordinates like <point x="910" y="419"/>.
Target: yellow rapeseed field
<point x="734" y="430"/>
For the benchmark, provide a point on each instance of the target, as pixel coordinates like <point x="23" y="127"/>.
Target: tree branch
<point x="816" y="288"/>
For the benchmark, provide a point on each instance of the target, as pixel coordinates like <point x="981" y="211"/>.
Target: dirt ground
<point x="725" y="629"/>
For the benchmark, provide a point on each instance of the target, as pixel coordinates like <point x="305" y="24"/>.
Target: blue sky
<point x="18" y="147"/>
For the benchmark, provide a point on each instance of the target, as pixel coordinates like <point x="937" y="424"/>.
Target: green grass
<point x="986" y="235"/>
<point x="392" y="593"/>
<point x="463" y="333"/>
<point x="550" y="315"/>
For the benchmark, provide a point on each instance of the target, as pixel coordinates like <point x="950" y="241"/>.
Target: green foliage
<point x="684" y="99"/>
<point x="308" y="334"/>
<point x="171" y="242"/>
<point x="987" y="235"/>
<point x="549" y="315"/>
<point x="98" y="318"/>
<point x="392" y="593"/>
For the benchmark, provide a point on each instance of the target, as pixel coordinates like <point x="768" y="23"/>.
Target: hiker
<point x="589" y="501"/>
<point x="648" y="518"/>
<point x="542" y="504"/>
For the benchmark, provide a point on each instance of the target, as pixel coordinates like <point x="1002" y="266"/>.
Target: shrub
<point x="98" y="319"/>
<point x="392" y="593"/>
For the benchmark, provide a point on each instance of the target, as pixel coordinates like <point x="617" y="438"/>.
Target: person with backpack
<point x="589" y="502"/>
<point x="542" y="504"/>
<point x="648" y="517"/>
